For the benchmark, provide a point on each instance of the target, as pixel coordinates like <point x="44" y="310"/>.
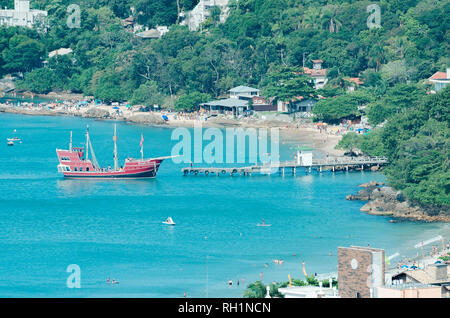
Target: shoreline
<point x="383" y="200"/>
<point x="290" y="132"/>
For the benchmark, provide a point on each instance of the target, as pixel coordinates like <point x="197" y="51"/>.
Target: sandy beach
<point x="300" y="133"/>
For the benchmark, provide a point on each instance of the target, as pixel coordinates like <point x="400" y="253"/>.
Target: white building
<point x="440" y="80"/>
<point x="21" y="15"/>
<point x="193" y="19"/>
<point x="309" y="292"/>
<point x="61" y="51"/>
<point x="317" y="74"/>
<point x="243" y="92"/>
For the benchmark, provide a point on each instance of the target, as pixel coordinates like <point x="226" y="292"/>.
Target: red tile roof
<point x="317" y="61"/>
<point x="439" y="76"/>
<point x="313" y="72"/>
<point x="355" y="80"/>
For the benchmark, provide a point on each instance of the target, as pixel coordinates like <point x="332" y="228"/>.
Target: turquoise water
<point x="113" y="228"/>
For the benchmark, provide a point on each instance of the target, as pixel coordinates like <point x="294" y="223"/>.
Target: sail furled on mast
<point x="94" y="158"/>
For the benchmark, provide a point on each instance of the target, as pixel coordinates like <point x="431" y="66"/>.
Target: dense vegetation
<point x="415" y="138"/>
<point x="263" y="43"/>
<point x="258" y="37"/>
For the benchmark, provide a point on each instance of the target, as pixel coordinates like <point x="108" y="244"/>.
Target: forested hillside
<point x="263" y="43"/>
<point x="259" y="36"/>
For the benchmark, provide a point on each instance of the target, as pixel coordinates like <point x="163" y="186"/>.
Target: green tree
<point x="191" y="101"/>
<point x="147" y="94"/>
<point x="333" y="110"/>
<point x="287" y="83"/>
<point x="351" y="142"/>
<point x="255" y="290"/>
<point x="39" y="81"/>
<point x="23" y="54"/>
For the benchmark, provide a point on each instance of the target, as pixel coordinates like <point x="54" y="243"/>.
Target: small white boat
<point x="10" y="143"/>
<point x="169" y="221"/>
<point x="13" y="139"/>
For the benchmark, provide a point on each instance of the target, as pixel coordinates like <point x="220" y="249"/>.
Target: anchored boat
<point x="169" y="221"/>
<point x="75" y="163"/>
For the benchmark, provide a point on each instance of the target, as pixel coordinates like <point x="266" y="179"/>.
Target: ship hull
<point x="111" y="175"/>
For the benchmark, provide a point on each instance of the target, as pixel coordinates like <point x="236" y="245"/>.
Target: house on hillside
<point x="60" y="52"/>
<point x="353" y="83"/>
<point x="298" y="104"/>
<point x="240" y="99"/>
<point x="317" y="74"/>
<point x="260" y="104"/>
<point x="440" y="80"/>
<point x="22" y="15"/>
<point x="243" y="92"/>
<point x="156" y="33"/>
<point x="131" y="25"/>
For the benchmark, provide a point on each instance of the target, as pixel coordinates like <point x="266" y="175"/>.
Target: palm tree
<point x="311" y="18"/>
<point x="329" y="19"/>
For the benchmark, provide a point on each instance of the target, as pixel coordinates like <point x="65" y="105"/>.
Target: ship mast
<point x="115" y="147"/>
<point x="70" y="144"/>
<point x="87" y="142"/>
<point x="142" y="147"/>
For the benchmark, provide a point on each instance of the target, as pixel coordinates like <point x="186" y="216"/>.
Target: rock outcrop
<point x="383" y="200"/>
<point x="94" y="112"/>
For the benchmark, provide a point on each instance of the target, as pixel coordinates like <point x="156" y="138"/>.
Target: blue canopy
<point x="165" y="117"/>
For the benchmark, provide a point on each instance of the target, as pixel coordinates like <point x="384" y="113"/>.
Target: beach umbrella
<point x="115" y="107"/>
<point x="165" y="117"/>
<point x="404" y="266"/>
<point x="414" y="267"/>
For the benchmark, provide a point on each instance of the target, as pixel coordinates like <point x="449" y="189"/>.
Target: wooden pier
<point x="327" y="164"/>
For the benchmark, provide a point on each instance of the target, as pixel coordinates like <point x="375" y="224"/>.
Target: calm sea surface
<point x="113" y="228"/>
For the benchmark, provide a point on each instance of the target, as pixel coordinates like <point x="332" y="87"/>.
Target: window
<point x="81" y="168"/>
<point x="87" y="168"/>
<point x="75" y="169"/>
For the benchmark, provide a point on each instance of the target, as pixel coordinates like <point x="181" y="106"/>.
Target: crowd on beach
<point x="79" y="106"/>
<point x="319" y="135"/>
<point x="423" y="259"/>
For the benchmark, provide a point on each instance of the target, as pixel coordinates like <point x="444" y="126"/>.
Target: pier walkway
<point x="331" y="163"/>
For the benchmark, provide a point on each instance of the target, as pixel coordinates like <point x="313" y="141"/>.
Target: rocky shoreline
<point x="386" y="201"/>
